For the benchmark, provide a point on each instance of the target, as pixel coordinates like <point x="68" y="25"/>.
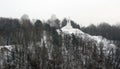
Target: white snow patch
<point x="9" y="47"/>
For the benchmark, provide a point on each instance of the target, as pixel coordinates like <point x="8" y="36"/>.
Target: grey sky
<point x="83" y="12"/>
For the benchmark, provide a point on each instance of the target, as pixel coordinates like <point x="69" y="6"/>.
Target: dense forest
<point x="44" y="45"/>
<point x="104" y="29"/>
<point x="111" y="32"/>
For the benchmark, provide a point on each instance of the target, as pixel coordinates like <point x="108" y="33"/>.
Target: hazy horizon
<point x="83" y="12"/>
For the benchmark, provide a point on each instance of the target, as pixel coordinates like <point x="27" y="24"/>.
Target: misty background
<point x="83" y="12"/>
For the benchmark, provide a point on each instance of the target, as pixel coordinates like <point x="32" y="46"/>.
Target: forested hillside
<point x="55" y="44"/>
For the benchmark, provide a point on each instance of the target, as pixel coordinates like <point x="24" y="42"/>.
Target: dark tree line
<point x="111" y="32"/>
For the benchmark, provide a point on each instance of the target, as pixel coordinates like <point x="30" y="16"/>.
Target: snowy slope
<point x="107" y="44"/>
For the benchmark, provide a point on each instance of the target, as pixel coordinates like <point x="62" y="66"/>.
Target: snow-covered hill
<point x="107" y="44"/>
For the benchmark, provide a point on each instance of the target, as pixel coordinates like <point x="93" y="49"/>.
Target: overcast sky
<point x="83" y="12"/>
